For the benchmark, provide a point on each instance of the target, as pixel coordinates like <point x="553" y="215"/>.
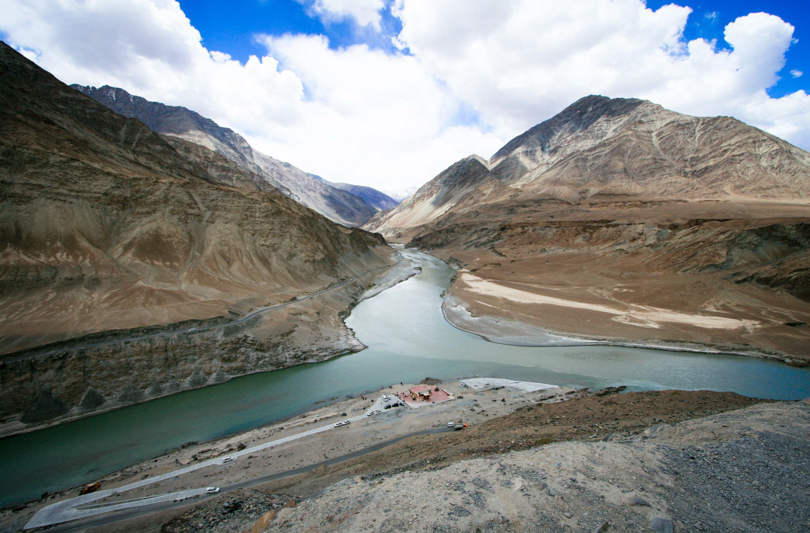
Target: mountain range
<point x="342" y="203"/>
<point x="125" y="251"/>
<point x="376" y="199"/>
<point x="619" y="219"/>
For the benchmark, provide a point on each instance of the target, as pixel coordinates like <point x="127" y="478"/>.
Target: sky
<point x="388" y="93"/>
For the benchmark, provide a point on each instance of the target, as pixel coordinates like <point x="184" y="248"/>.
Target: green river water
<point x="408" y="340"/>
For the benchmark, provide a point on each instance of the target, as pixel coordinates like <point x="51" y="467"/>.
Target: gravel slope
<point x="744" y="470"/>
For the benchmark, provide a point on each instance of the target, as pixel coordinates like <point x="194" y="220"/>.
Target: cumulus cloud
<point x="150" y="49"/>
<point x="370" y="116"/>
<point x="796" y="73"/>
<point x="520" y="61"/>
<point x="468" y="76"/>
<point x="364" y="12"/>
<point x="354" y="115"/>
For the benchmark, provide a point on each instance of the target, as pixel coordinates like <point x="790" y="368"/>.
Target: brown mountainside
<point x="178" y="122"/>
<point x="620" y="219"/>
<point x="107" y="225"/>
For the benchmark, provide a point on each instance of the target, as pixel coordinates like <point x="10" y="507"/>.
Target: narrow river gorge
<point x="408" y="340"/>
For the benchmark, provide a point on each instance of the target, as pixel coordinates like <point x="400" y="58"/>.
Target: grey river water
<point x="408" y="340"/>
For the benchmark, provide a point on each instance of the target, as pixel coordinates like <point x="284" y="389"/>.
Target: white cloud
<point x="360" y="115"/>
<point x="150" y="49"/>
<point x="796" y="73"/>
<point x="369" y="117"/>
<point x="364" y="12"/>
<point x="521" y="61"/>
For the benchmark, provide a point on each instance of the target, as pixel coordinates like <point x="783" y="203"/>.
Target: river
<point x="408" y="340"/>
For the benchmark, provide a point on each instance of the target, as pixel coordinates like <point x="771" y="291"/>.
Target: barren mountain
<point x="106" y="225"/>
<point x="619" y="219"/>
<point x="376" y="199"/>
<point x="335" y="203"/>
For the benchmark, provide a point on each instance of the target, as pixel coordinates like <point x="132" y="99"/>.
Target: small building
<point x="420" y="392"/>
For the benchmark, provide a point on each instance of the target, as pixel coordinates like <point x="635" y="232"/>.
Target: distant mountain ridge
<point x="333" y="202"/>
<point x="600" y="147"/>
<point x="376" y="199"/>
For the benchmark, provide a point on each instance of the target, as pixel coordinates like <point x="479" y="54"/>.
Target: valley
<point x="620" y="221"/>
<point x="181" y="314"/>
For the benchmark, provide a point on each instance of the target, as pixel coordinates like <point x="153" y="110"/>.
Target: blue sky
<point x="388" y="93"/>
<point x="231" y="27"/>
<point x="710" y="18"/>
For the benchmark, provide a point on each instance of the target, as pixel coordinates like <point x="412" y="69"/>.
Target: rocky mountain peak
<point x="170" y="120"/>
<point x="588" y="120"/>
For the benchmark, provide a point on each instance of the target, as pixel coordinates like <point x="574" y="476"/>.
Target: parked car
<point x="92" y="487"/>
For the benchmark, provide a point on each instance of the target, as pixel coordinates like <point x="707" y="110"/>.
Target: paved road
<point x="198" y="329"/>
<point x="150" y="508"/>
<point x="83" y="506"/>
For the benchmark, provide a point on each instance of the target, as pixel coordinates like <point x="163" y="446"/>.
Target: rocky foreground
<point x="745" y="470"/>
<point x="648" y="461"/>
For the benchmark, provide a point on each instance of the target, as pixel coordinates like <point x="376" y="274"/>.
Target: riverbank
<point x="514" y="333"/>
<point x="520" y="314"/>
<point x="389" y="424"/>
<point x="500" y="419"/>
<point x="304" y="330"/>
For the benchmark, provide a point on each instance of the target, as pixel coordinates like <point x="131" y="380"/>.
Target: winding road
<point x="83" y="514"/>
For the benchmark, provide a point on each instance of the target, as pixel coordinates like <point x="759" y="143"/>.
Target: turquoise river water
<point x="408" y="340"/>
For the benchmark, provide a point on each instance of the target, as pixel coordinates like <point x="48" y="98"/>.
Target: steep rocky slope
<point x="106" y="225"/>
<point x="620" y="219"/>
<point x="376" y="199"/>
<point x="335" y="203"/>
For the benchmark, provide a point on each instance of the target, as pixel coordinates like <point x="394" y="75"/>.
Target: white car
<point x="343" y="423"/>
<point x="227" y="459"/>
<point x="211" y="490"/>
<point x="450" y="424"/>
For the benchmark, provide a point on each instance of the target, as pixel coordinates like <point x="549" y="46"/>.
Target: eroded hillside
<point x="335" y="203"/>
<point x="106" y="225"/>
